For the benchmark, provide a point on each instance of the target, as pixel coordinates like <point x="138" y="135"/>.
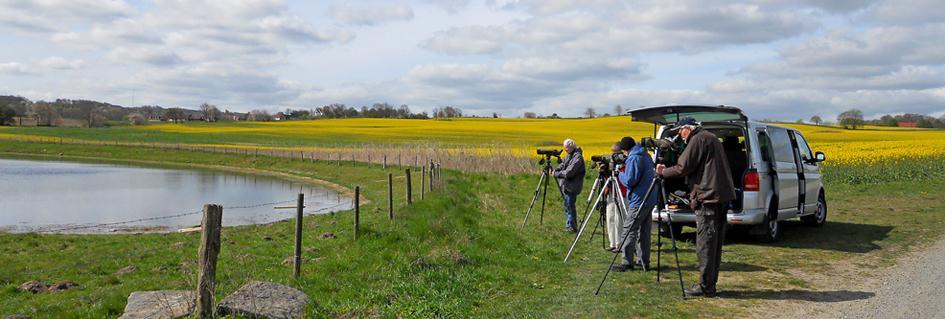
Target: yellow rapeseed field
<point x="861" y="146"/>
<point x="521" y="137"/>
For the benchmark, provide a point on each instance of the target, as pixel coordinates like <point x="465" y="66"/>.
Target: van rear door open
<point x="663" y="115"/>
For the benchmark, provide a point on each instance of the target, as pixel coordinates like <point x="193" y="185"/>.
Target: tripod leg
<point x="534" y="198"/>
<point x="611" y="193"/>
<point x="659" y="244"/>
<point x="623" y="241"/>
<point x="544" y="195"/>
<point x="682" y="287"/>
<point x="590" y="196"/>
<point x="584" y="223"/>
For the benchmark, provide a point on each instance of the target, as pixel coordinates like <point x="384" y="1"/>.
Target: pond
<point x="72" y="197"/>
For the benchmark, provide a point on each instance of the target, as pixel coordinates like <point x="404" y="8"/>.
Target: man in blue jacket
<point x="637" y="176"/>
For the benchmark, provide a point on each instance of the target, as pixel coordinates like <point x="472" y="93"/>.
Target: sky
<point x="776" y="59"/>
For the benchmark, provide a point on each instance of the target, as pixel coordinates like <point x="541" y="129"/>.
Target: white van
<point x="776" y="174"/>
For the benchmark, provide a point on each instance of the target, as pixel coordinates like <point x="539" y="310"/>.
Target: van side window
<point x="802" y="146"/>
<point x="781" y="143"/>
<point x="765" y="146"/>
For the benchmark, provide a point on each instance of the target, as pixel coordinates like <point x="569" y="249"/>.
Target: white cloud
<point x="362" y="15"/>
<point x="15" y="68"/>
<point x="42" y="16"/>
<point x="60" y="63"/>
<point x="609" y="27"/>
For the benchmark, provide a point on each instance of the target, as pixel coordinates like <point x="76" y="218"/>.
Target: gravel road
<point x="913" y="289"/>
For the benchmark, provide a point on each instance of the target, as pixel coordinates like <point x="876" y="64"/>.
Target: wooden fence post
<point x="207" y="258"/>
<point x="390" y="196"/>
<point x="298" y="235"/>
<point x="409" y="188"/>
<point x="385" y="161"/>
<point x="357" y="211"/>
<point x="423" y="180"/>
<point x="432" y="169"/>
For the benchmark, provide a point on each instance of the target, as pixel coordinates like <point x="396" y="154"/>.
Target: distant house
<point x="279" y="116"/>
<point x="908" y="124"/>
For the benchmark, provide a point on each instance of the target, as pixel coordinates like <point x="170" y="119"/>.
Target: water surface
<point x="45" y="195"/>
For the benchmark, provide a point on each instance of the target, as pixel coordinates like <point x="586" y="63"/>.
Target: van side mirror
<point x="819" y="157"/>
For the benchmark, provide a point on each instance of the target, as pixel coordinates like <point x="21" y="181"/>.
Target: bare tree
<point x="46" y="114"/>
<point x="618" y="109"/>
<point x="259" y="115"/>
<point x="91" y="114"/>
<point x="590" y="113"/>
<point x="210" y="112"/>
<point x="137" y="119"/>
<point x="175" y="114"/>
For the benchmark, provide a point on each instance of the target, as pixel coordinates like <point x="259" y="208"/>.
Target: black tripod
<point x="543" y="189"/>
<point x="658" y="181"/>
<point x="609" y="187"/>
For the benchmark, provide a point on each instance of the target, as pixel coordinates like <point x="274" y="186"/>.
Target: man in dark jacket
<point x="704" y="166"/>
<point x="570" y="175"/>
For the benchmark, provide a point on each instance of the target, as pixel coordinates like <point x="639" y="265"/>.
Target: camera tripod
<point x="612" y="190"/>
<point x="542" y="188"/>
<point x="657" y="181"/>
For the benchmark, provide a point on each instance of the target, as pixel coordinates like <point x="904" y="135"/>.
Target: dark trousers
<point x="638" y="240"/>
<point x="710" y="232"/>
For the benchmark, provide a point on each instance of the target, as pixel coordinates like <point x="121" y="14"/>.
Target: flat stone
<point x="162" y="304"/>
<point x="33" y="286"/>
<point x="17" y="317"/>
<point x="259" y="299"/>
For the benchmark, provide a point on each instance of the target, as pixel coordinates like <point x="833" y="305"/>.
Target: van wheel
<point x="771" y="227"/>
<point x="676" y="230"/>
<point x="819" y="217"/>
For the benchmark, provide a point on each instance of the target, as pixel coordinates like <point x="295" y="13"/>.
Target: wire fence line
<point x="155" y="218"/>
<point x="498" y="158"/>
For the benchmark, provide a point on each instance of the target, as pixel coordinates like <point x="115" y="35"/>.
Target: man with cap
<point x="704" y="166"/>
<point x="637" y="176"/>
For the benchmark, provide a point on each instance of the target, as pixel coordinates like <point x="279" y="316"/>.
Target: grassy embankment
<point x="459" y="252"/>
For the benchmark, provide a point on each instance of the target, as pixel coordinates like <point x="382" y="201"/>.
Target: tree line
<point x="14" y="110"/>
<point x="853" y="119"/>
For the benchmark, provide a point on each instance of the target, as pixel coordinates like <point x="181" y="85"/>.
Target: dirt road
<point x="913" y="288"/>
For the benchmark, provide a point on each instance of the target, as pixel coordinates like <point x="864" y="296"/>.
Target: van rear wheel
<point x="771" y="231"/>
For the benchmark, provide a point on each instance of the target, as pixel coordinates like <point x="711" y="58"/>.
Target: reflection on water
<point x="43" y="195"/>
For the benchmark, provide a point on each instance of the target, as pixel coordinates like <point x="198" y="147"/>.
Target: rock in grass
<point x="163" y="304"/>
<point x="62" y="285"/>
<point x="327" y="235"/>
<point x="17" y="317"/>
<point x="33" y="286"/>
<point x="259" y="299"/>
<point x="126" y="270"/>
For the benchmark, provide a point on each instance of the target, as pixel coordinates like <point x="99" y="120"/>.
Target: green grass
<point x="458" y="253"/>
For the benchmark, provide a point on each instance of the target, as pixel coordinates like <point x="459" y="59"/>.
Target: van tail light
<point x="752" y="181"/>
